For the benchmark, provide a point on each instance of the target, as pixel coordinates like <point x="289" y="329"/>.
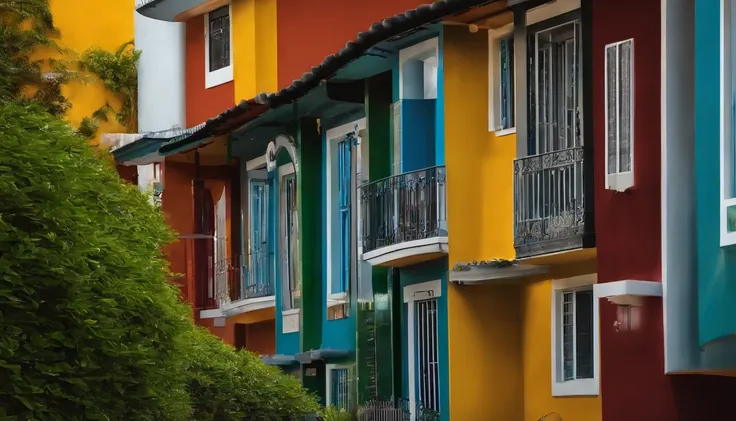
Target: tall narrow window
<point x="728" y="130"/>
<point x="258" y="282"/>
<point x="576" y="327"/>
<point x="555" y="89"/>
<point x="219" y="38"/>
<point x="344" y="200"/>
<point x="506" y="82"/>
<point x="291" y="276"/>
<point x="340" y="388"/>
<point x="619" y="115"/>
<point x="427" y="350"/>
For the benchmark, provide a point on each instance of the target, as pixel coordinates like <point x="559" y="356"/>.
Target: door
<point x="222" y="262"/>
<point x="258" y="283"/>
<point x="427" y="362"/>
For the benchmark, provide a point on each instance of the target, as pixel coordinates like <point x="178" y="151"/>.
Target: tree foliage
<point x="90" y="329"/>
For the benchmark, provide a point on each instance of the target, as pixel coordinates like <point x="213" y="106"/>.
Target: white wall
<point x="161" y="71"/>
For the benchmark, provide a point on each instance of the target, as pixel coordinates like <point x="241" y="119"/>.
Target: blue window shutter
<point x="507" y="82"/>
<point x="344" y="184"/>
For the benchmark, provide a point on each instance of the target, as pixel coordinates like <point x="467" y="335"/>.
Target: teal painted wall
<point x="716" y="265"/>
<point x="424" y="272"/>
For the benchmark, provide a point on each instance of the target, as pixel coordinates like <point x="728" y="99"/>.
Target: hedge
<point x="90" y="329"/>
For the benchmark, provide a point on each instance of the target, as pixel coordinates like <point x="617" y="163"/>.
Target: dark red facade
<point x="305" y="42"/>
<point x="628" y="237"/>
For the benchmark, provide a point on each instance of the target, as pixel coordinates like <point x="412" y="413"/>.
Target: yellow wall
<point x="254" y="47"/>
<point x="92" y="23"/>
<point x="499" y="336"/>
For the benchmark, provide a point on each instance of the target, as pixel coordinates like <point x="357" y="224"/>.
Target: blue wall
<point x="716" y="265"/>
<point x="424" y="272"/>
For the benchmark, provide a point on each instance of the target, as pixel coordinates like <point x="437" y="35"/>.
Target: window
<point x="619" y="97"/>
<point x="502" y="85"/>
<point x="555" y="86"/>
<point x="728" y="128"/>
<point x="290" y="272"/>
<point x="257" y="279"/>
<point x="339" y="386"/>
<point x="575" y="338"/>
<point x="218" y="57"/>
<point x="344" y="187"/>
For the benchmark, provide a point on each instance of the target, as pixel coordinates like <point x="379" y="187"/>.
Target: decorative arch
<point x="285" y="142"/>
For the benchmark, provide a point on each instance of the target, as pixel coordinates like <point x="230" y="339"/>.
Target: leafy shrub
<point x="90" y="329"/>
<point x="332" y="413"/>
<point x="226" y="386"/>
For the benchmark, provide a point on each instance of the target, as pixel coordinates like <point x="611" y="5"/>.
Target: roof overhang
<point x="494" y="271"/>
<point x="176" y="10"/>
<point x="321" y="354"/>
<point x="279" y="360"/>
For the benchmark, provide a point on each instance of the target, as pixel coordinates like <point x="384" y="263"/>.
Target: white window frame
<point x="283" y="171"/>
<point x="328" y="380"/>
<point x="219" y="76"/>
<point x="494" y="81"/>
<point x="428" y="52"/>
<point x="333" y="136"/>
<point x="431" y="289"/>
<point x="727" y="167"/>
<point x="578" y="387"/>
<point x="620" y="181"/>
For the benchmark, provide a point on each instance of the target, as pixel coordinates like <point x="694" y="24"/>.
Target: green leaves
<point x="90" y="327"/>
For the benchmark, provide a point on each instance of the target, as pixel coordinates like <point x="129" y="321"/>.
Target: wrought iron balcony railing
<point x="404" y="207"/>
<point x="549" y="202"/>
<point x="234" y="279"/>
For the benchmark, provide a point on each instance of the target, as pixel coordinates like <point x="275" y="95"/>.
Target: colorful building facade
<point x="471" y="210"/>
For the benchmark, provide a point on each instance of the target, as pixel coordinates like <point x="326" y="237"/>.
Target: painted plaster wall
<point x="202" y="103"/>
<point x="178" y="208"/>
<point x="304" y="43"/>
<point x="536" y="343"/>
<point x="484" y="326"/>
<point x="495" y="332"/>
<point x="254" y="48"/>
<point x="108" y="30"/>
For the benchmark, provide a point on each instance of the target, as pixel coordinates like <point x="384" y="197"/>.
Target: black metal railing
<point x="234" y="279"/>
<point x="404" y="207"/>
<point x="549" y="202"/>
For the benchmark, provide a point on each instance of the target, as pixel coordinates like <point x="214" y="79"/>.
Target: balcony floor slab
<point x="408" y="252"/>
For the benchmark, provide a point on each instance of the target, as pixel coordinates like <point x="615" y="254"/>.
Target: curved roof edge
<point x="378" y="32"/>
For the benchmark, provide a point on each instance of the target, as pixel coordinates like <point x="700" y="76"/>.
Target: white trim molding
<point x="328" y="380"/>
<point x="290" y="320"/>
<point x="388" y="254"/>
<point x="211" y="314"/>
<point x="256" y="163"/>
<point x="332" y="136"/>
<point x="412" y="293"/>
<point x="219" y="76"/>
<point x="620" y="180"/>
<point x="427" y="52"/>
<point x="578" y="387"/>
<point x="628" y="292"/>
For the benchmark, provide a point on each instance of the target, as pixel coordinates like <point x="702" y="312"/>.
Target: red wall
<point x="303" y="43"/>
<point x="202" y="104"/>
<point x="633" y="385"/>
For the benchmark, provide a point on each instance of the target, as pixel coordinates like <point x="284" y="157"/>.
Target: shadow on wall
<point x="690" y="406"/>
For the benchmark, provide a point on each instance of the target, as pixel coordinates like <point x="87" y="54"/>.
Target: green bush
<point x="229" y="386"/>
<point x="90" y="329"/>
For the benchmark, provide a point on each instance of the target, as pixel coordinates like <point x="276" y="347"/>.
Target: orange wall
<point x="178" y="207"/>
<point x="304" y="43"/>
<point x="202" y="104"/>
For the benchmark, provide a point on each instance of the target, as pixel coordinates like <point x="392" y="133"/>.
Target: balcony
<point x="403" y="218"/>
<point x="550" y="214"/>
<point x="172" y="10"/>
<point x="235" y="286"/>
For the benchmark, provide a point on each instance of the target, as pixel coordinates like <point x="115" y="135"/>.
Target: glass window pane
<point x="584" y="334"/>
<point x="506" y="83"/>
<point x="568" y="336"/>
<point x="611" y="123"/>
<point x="219" y="38"/>
<point x="625" y="91"/>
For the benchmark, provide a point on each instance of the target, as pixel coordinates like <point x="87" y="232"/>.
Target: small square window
<point x="619" y="93"/>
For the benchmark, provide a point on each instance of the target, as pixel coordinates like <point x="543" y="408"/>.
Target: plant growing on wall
<point x="118" y="72"/>
<point x="24" y="28"/>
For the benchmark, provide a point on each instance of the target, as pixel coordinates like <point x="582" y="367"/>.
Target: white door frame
<point x="412" y="294"/>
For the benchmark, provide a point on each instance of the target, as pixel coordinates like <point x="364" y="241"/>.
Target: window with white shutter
<point x="728" y="110"/>
<point x="619" y="100"/>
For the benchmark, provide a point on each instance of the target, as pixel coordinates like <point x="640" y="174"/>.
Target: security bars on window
<point x="576" y="324"/>
<point x="219" y="38"/>
<point x="427" y="350"/>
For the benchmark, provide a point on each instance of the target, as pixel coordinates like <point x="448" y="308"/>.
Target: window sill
<point x="337" y="299"/>
<point x="620" y="182"/>
<point x="582" y="387"/>
<point x="291" y="312"/>
<point x="504" y="132"/>
<point x="218" y="77"/>
<point x="728" y="238"/>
